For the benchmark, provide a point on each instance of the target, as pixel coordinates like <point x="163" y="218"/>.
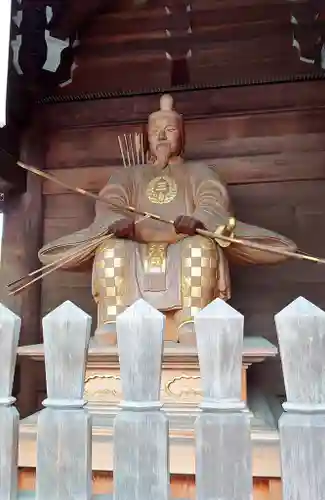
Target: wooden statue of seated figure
<point x="169" y="266"/>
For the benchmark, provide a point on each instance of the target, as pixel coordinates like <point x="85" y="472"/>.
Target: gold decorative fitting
<point x="186" y="322"/>
<point x="156" y="258"/>
<point x="95" y="390"/>
<point x="161" y="190"/>
<point x="226" y="230"/>
<point x="185" y="390"/>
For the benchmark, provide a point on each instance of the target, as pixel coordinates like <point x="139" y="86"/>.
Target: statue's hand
<point x="123" y="228"/>
<point x="187" y="225"/>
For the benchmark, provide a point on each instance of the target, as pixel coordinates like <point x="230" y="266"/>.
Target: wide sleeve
<point x="213" y="208"/>
<point x="118" y="194"/>
<point x="243" y="254"/>
<point x="212" y="203"/>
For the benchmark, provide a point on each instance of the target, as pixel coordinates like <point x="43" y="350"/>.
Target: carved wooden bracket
<point x="308" y="23"/>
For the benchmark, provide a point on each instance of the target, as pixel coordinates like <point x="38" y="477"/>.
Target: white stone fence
<point x="141" y="437"/>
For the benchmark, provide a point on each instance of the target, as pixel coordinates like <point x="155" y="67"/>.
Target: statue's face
<point x="164" y="133"/>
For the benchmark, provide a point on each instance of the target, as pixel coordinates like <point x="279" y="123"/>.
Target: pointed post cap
<point x="66" y="332"/>
<point x="140" y="336"/>
<point x="301" y="335"/>
<point x="219" y="333"/>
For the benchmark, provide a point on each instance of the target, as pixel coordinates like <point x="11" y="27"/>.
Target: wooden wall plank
<point x="216" y="42"/>
<point x="91" y="177"/>
<point x="254" y="169"/>
<point x="207" y="138"/>
<point x="54" y="228"/>
<point x="113" y="77"/>
<point x="205" y="67"/>
<point x="154" y="19"/>
<point x="240" y="31"/>
<point x="223" y="102"/>
<point x="63" y="206"/>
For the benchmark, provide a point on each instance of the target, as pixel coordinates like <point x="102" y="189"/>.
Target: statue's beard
<point x="163" y="153"/>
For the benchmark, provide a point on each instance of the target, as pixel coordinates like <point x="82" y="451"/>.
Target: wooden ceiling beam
<point x="41" y="61"/>
<point x="73" y="16"/>
<point x="138" y="42"/>
<point x="263" y="46"/>
<point x="308" y="28"/>
<point x="152" y="20"/>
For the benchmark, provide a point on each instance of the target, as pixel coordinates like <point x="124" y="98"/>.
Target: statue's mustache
<point x="163" y="153"/>
<point x="163" y="148"/>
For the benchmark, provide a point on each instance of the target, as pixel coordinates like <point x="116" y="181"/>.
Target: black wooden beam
<point x="72" y="16"/>
<point x="308" y="27"/>
<point x="12" y="177"/>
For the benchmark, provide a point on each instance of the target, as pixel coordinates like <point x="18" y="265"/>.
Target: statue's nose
<point x="162" y="135"/>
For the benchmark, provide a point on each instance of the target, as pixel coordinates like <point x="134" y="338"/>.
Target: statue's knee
<point x="111" y="254"/>
<point x="112" y="244"/>
<point x="199" y="241"/>
<point x="110" y="270"/>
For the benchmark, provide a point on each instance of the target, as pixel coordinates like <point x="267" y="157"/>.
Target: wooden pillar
<point x="222" y="429"/>
<point x="9" y="417"/>
<point x="141" y="432"/>
<point x="301" y="334"/>
<point x="64" y="427"/>
<point x="22" y="237"/>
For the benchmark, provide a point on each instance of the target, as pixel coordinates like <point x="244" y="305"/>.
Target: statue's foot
<point x="186" y="334"/>
<point x="106" y="334"/>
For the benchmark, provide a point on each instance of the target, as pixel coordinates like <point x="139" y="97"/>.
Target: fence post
<point x="301" y="334"/>
<point x="223" y="447"/>
<point x="141" y="469"/>
<point x="9" y="417"/>
<point x="64" y="426"/>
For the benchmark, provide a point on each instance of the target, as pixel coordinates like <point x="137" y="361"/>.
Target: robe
<point x="200" y="194"/>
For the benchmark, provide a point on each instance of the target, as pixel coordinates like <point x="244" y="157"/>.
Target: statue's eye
<point x="170" y="129"/>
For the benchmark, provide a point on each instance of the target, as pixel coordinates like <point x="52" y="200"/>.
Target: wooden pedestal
<point x="180" y="394"/>
<point x="182" y="486"/>
<point x="180" y="384"/>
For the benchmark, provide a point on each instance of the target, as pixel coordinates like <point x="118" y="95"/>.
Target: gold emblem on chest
<point x="161" y="190"/>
